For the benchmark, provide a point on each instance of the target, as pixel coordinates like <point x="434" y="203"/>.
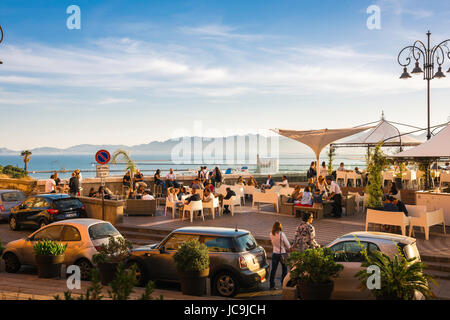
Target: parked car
<point x="236" y="260"/>
<point x="83" y="237"/>
<point x="348" y="253"/>
<point x="8" y="199"/>
<point x="40" y="210"/>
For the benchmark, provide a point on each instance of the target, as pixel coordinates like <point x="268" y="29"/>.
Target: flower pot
<point x="315" y="291"/>
<point x="107" y="272"/>
<point x="193" y="283"/>
<point x="49" y="266"/>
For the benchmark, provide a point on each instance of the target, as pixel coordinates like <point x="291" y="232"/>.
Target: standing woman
<point x="217" y="176"/>
<point x="280" y="245"/>
<point x="305" y="237"/>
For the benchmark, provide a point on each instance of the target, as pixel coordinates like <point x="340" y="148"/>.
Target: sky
<point x="138" y="71"/>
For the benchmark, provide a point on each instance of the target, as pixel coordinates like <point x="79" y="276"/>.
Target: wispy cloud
<point x="218" y="31"/>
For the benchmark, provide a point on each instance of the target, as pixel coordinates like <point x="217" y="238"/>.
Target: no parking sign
<point x="102" y="157"/>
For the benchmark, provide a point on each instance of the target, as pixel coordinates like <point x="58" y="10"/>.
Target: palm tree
<point x="26" y="154"/>
<point x="130" y="164"/>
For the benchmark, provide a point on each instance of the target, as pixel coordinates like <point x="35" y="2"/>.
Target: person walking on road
<point x="280" y="249"/>
<point x="305" y="236"/>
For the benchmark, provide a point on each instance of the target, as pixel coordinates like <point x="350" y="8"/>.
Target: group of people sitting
<point x="317" y="192"/>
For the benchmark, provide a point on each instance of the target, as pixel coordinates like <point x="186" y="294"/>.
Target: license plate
<point x="71" y="215"/>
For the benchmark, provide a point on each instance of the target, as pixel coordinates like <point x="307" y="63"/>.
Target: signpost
<point x="102" y="157"/>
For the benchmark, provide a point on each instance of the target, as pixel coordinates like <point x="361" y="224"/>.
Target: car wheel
<point x="12" y="263"/>
<point x="226" y="284"/>
<point x="13" y="224"/>
<point x="85" y="268"/>
<point x="141" y="277"/>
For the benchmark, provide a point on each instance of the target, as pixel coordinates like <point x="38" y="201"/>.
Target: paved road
<point x="7" y="235"/>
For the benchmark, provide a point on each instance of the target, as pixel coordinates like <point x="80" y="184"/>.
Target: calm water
<point x="149" y="163"/>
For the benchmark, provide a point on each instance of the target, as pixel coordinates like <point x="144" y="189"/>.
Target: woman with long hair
<point x="280" y="247"/>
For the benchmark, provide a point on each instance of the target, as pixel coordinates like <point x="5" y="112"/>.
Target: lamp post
<point x="429" y="57"/>
<point x="1" y="39"/>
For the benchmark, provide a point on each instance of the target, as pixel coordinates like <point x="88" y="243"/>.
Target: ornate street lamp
<point x="1" y="39"/>
<point x="429" y="57"/>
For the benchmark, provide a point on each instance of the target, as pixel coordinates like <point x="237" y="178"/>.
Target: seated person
<point x="284" y="182"/>
<point x="138" y="178"/>
<point x="171" y="179"/>
<point x="126" y="181"/>
<point x="389" y="205"/>
<point x="101" y="191"/>
<point x="241" y="181"/>
<point x="392" y="191"/>
<point x="209" y="186"/>
<point x="269" y="183"/>
<point x="252" y="182"/>
<point x="312" y="185"/>
<point x="92" y="193"/>
<point x="196" y="184"/>
<point x="147" y="195"/>
<point x="400" y="205"/>
<point x="230" y="193"/>
<point x="341" y="167"/>
<point x="295" y="196"/>
<point x="307" y="199"/>
<point x="194" y="197"/>
<point x="208" y="196"/>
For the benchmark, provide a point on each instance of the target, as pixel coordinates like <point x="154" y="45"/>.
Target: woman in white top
<point x="280" y="245"/>
<point x="172" y="197"/>
<point x="307" y="199"/>
<point x="207" y="195"/>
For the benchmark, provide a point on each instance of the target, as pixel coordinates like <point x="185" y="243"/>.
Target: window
<point x="349" y="251"/>
<point x="41" y="203"/>
<point x="49" y="233"/>
<point x="102" y="230"/>
<point x="71" y="234"/>
<point x="13" y="197"/>
<point x="218" y="244"/>
<point x="67" y="204"/>
<point x="246" y="242"/>
<point x="175" y="241"/>
<point x="28" y="203"/>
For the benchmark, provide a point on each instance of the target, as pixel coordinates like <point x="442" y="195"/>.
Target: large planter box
<point x="113" y="209"/>
<point x="286" y="207"/>
<point x="140" y="207"/>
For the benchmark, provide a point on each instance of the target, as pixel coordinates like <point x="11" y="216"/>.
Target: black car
<point x="236" y="260"/>
<point x="40" y="210"/>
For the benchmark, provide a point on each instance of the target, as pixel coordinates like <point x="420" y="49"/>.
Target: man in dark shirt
<point x="194" y="197"/>
<point x="138" y="178"/>
<point x="389" y="206"/>
<point x="400" y="205"/>
<point x="230" y="193"/>
<point x="74" y="185"/>
<point x="126" y="181"/>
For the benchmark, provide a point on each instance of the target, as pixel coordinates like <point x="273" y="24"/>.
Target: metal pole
<point x="103" y="201"/>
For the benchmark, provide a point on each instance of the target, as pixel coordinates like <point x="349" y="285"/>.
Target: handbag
<point x="283" y="256"/>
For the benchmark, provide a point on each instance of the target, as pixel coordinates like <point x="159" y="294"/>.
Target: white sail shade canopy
<point x="319" y="139"/>
<point x="437" y="147"/>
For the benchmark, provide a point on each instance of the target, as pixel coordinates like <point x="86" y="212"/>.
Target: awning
<point x="437" y="147"/>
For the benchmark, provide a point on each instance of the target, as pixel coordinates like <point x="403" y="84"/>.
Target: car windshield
<point x="13" y="197"/>
<point x="245" y="242"/>
<point x="102" y="230"/>
<point x="68" y="203"/>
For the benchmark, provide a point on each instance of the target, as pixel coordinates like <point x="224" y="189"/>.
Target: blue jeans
<point x="162" y="183"/>
<point x="276" y="258"/>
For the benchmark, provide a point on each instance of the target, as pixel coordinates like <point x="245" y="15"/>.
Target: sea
<point x="42" y="166"/>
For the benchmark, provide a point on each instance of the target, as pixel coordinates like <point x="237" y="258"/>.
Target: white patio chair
<point x="421" y="218"/>
<point x="341" y="175"/>
<point x="351" y="176"/>
<point x="388" y="218"/>
<point x="239" y="190"/>
<point x="231" y="203"/>
<point x="192" y="207"/>
<point x="409" y="176"/>
<point x="170" y="205"/>
<point x="359" y="199"/>
<point x="212" y="206"/>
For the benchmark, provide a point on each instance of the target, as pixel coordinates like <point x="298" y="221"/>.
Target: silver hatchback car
<point x="9" y="199"/>
<point x="347" y="251"/>
<point x="83" y="237"/>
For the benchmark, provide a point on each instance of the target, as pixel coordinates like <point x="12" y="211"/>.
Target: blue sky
<point x="139" y="71"/>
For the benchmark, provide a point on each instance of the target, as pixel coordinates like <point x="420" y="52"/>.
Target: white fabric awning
<point x="437" y="147"/>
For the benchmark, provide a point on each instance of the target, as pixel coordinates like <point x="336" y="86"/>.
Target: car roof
<point x="85" y="222"/>
<point x="215" y="231"/>
<point x="53" y="196"/>
<point x="383" y="236"/>
<point x="9" y="190"/>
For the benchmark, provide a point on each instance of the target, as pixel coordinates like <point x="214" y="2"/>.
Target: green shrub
<point x="192" y="256"/>
<point x="14" y="172"/>
<point x="313" y="266"/>
<point x="376" y="162"/>
<point x="49" y="248"/>
<point x="400" y="277"/>
<point x="117" y="250"/>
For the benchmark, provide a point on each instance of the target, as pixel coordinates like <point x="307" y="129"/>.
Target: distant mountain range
<point x="253" y="144"/>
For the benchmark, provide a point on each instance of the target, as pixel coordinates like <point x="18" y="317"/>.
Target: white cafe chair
<point x="192" y="207"/>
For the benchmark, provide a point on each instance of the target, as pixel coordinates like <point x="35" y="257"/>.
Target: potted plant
<point x="400" y="278"/>
<point x="109" y="256"/>
<point x="49" y="257"/>
<point x="192" y="264"/>
<point x="313" y="271"/>
<point x="376" y="162"/>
